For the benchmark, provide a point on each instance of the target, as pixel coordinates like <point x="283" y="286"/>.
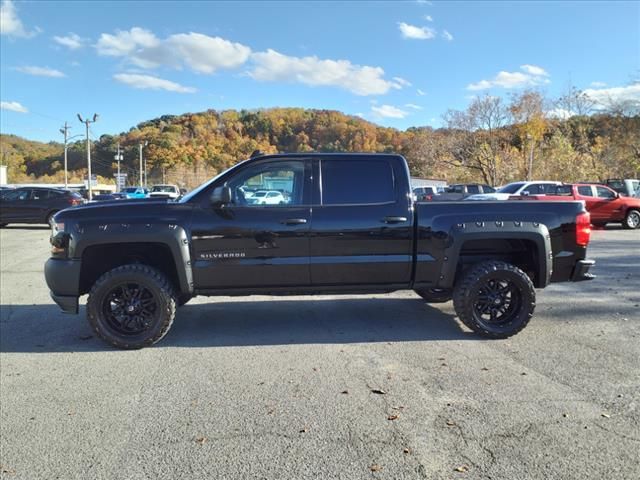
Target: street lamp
<point x="87" y="122"/>
<point x="64" y="131"/>
<point x="140" y="145"/>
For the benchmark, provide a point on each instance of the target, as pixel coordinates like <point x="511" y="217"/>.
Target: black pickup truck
<point x="340" y="223"/>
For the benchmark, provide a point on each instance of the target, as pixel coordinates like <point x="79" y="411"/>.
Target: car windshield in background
<point x="511" y="188"/>
<point x="130" y="190"/>
<point x="260" y="194"/>
<point x="163" y="188"/>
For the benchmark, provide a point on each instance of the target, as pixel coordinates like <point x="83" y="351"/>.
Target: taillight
<point x="583" y="229"/>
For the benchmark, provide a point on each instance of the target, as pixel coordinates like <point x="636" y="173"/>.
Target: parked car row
<point x="603" y="203"/>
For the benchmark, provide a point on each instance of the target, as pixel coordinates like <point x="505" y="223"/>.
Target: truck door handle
<point x="394" y="219"/>
<point x="294" y="221"/>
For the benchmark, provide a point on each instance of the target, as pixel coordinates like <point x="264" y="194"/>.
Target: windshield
<point x="163" y="188"/>
<point x="260" y="194"/>
<point x="130" y="189"/>
<point x="511" y="188"/>
<point x="202" y="187"/>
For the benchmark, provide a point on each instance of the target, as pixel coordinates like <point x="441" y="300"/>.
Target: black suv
<point x="35" y="204"/>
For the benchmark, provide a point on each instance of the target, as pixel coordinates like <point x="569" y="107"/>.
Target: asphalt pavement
<point x="348" y="387"/>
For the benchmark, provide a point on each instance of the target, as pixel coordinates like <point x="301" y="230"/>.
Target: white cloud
<point x="389" y="111"/>
<point x="13" y="107"/>
<point x="201" y="53"/>
<point x="271" y="66"/>
<point x="71" y="41"/>
<point x="534" y="70"/>
<point x="413" y="105"/>
<point x="598" y="84"/>
<point x="447" y="36"/>
<point x="10" y="24"/>
<point x="402" y="82"/>
<point x="41" y="71"/>
<point x="608" y="96"/>
<point x="424" y="2"/>
<point x="149" y="82"/>
<point x="560" y="113"/>
<point x="428" y="18"/>
<point x="417" y="33"/>
<point x="534" y="76"/>
<point x="359" y="114"/>
<point x="422" y="93"/>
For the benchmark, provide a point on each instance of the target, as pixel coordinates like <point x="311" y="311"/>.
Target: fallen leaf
<point x="392" y="417"/>
<point x="378" y="391"/>
<point x="7" y="470"/>
<point x="461" y="469"/>
<point x="406" y="450"/>
<point x="399" y="407"/>
<point x="523" y="373"/>
<point x="605" y="415"/>
<point x="375" y="468"/>
<point x="201" y="440"/>
<point x="443" y="365"/>
<point x="344" y="392"/>
<point x="484" y="369"/>
<point x="451" y="423"/>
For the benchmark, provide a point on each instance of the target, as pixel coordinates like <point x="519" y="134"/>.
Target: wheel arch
<point x="104" y="247"/>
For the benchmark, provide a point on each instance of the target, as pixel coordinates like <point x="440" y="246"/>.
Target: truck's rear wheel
<point x="435" y="295"/>
<point x="632" y="220"/>
<point x="495" y="299"/>
<point x="132" y="306"/>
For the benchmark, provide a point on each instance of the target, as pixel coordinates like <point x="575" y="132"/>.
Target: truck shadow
<point x="41" y="328"/>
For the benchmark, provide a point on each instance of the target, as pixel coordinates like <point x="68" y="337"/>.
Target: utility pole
<point x="87" y="122"/>
<point x="118" y="159"/>
<point x="140" y="145"/>
<point x="64" y="130"/>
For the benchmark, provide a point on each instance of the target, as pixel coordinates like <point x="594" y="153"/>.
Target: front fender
<point x="174" y="236"/>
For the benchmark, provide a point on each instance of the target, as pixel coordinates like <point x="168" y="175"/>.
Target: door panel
<point x="370" y="243"/>
<point x="251" y="247"/>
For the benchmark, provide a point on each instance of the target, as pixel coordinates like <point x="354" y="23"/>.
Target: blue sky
<point x="397" y="64"/>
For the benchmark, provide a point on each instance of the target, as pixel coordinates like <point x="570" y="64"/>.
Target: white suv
<point x="166" y="191"/>
<point x="266" y="197"/>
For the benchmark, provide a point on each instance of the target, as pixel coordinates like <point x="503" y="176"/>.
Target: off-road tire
<point x="435" y="295"/>
<point x="467" y="291"/>
<point x="150" y="278"/>
<point x="632" y="220"/>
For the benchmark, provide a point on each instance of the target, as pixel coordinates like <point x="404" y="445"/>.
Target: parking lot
<point x="372" y="386"/>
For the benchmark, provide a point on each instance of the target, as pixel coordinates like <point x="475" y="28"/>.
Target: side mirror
<point x="221" y="196"/>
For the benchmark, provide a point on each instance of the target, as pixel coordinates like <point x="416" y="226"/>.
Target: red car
<point x="604" y="204"/>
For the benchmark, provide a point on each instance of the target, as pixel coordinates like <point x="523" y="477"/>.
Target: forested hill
<point x="187" y="149"/>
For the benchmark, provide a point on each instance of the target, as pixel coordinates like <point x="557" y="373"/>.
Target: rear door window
<point x="357" y="182"/>
<point x="585" y="191"/>
<point x="473" y="189"/>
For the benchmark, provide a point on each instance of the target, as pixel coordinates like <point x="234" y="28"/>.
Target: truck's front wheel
<point x="131" y="306"/>
<point x="495" y="299"/>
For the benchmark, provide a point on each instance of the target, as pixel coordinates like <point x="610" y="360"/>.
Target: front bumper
<point x="581" y="271"/>
<point x="63" y="279"/>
